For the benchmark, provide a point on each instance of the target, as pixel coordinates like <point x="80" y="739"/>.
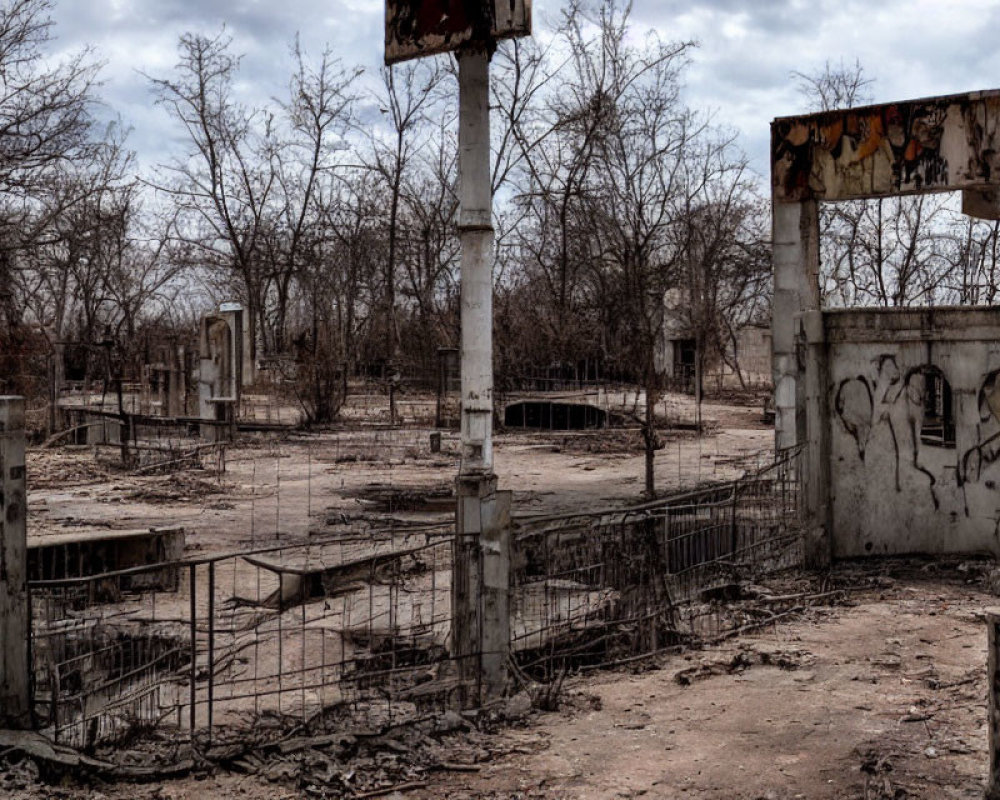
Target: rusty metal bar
<point x="993" y="710"/>
<point x="194" y="649"/>
<point x="211" y="644"/>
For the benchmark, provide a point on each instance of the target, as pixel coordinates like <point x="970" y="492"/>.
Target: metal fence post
<point x="15" y="679"/>
<point x="993" y="711"/>
<point x="194" y="649"/>
<point x="211" y="643"/>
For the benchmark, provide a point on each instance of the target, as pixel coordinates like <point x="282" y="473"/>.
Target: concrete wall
<point x="753" y="351"/>
<point x="892" y="489"/>
<point x="851" y="386"/>
<point x="222" y="347"/>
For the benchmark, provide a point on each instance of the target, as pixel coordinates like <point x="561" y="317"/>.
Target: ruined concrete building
<point x="225" y="366"/>
<point x="899" y="409"/>
<point x="749" y="350"/>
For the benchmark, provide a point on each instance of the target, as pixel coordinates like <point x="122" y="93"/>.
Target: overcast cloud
<point x="741" y="71"/>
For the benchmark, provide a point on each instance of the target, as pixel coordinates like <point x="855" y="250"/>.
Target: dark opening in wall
<point x="938" y="426"/>
<point x="554" y="416"/>
<point x="685" y="355"/>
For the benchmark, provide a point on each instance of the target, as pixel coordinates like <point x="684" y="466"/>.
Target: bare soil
<point x="884" y="699"/>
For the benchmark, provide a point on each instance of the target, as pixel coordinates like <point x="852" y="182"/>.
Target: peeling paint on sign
<point x="937" y="144"/>
<point x="415" y="28"/>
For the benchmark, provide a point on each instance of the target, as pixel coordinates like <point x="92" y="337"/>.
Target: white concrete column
<point x="816" y="463"/>
<point x="481" y="569"/>
<point x="15" y="700"/>
<point x="796" y="290"/>
<point x="476" y="229"/>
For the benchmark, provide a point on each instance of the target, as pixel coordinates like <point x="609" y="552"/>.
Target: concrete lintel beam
<point x="935" y="144"/>
<point x="981" y="203"/>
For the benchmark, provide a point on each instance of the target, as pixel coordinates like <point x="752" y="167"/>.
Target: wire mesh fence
<point x="328" y="628"/>
<point x="597" y="588"/>
<point x="355" y="628"/>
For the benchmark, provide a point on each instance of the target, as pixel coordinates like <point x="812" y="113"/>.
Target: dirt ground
<point x="884" y="699"/>
<point x="878" y="697"/>
<point x="286" y="486"/>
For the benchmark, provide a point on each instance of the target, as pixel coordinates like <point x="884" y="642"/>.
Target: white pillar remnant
<point x="480" y="576"/>
<point x="476" y="230"/>
<point x="796" y="291"/>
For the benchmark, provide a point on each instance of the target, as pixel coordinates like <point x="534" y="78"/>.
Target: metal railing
<point x="357" y="628"/>
<point x="596" y="588"/>
<point x="332" y="627"/>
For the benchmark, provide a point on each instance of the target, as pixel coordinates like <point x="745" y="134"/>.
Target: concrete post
<point x="495" y="595"/>
<point x="993" y="710"/>
<point x="796" y="290"/>
<point x="816" y="462"/>
<point x="15" y="700"/>
<point x="481" y="570"/>
<point x="481" y="589"/>
<point x="476" y="229"/>
<point x="58" y="378"/>
<point x="172" y="382"/>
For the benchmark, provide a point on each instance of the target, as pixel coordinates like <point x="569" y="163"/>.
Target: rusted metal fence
<point x="354" y="630"/>
<point x="329" y="628"/>
<point x="599" y="588"/>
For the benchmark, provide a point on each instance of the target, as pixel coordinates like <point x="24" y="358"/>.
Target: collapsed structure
<point x="899" y="408"/>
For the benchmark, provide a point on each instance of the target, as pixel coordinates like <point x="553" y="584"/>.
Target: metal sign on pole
<point x="480" y="574"/>
<point x="415" y="28"/>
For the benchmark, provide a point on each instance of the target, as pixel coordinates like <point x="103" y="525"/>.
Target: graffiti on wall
<point x="899" y="402"/>
<point x="916" y="409"/>
<point x="986" y="451"/>
<point x="922" y="145"/>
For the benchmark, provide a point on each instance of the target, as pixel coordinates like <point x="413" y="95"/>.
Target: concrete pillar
<point x="15" y="700"/>
<point x="481" y="569"/>
<point x="796" y="290"/>
<point x="481" y="589"/>
<point x="476" y="229"/>
<point x="993" y="709"/>
<point x="180" y="387"/>
<point x="495" y="594"/>
<point x="816" y="459"/>
<point x="58" y="379"/>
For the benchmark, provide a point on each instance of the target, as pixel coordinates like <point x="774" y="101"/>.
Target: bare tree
<point x="319" y="113"/>
<point x="223" y="186"/>
<point x="45" y="131"/>
<point x="724" y="259"/>
<point x="410" y="94"/>
<point x="628" y="100"/>
<point x="835" y="86"/>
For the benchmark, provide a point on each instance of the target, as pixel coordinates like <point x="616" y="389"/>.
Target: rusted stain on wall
<point x="937" y="144"/>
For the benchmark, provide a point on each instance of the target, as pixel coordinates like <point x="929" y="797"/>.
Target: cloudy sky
<point x="748" y="49"/>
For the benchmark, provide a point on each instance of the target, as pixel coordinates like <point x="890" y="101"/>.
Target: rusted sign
<point x="932" y="145"/>
<point x="415" y="28"/>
